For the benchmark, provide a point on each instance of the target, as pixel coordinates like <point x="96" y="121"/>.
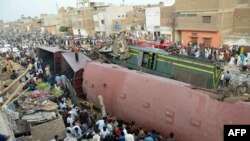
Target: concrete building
<point x="108" y="19"/>
<point x="167" y="22"/>
<point x="240" y="34"/>
<point x="50" y="23"/>
<point x="65" y="16"/>
<point x="203" y="22"/>
<point x="153" y="19"/>
<point x="133" y="21"/>
<point x="36" y="25"/>
<point x="159" y="21"/>
<point x="139" y="17"/>
<point x="22" y="24"/>
<point x="82" y="3"/>
<point x="82" y="22"/>
<point x="136" y="19"/>
<point x="99" y="16"/>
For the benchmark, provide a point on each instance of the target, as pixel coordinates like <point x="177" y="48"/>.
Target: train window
<point x="169" y="115"/>
<point x="145" y="60"/>
<point x="123" y="96"/>
<point x="195" y="122"/>
<point x="104" y="85"/>
<point x="153" y="62"/>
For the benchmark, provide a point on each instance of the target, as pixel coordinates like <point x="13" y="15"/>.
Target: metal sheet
<point x="70" y="59"/>
<point x="164" y="104"/>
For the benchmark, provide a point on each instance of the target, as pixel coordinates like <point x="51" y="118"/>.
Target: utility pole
<point x="123" y="1"/>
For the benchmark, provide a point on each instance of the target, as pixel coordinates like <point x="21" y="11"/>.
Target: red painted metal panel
<point x="57" y="62"/>
<point x="163" y="104"/>
<point x="143" y="43"/>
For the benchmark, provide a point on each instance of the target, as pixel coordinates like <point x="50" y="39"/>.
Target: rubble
<point x="239" y="78"/>
<point x="32" y="108"/>
<point x="40" y="117"/>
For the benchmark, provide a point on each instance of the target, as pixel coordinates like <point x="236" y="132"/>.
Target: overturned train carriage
<point x="198" y="72"/>
<point x="163" y="104"/>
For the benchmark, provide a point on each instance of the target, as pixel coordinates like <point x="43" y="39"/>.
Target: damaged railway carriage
<point x="195" y="71"/>
<point x="163" y="104"/>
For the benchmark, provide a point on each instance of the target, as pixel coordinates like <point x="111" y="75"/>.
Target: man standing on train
<point x="75" y="50"/>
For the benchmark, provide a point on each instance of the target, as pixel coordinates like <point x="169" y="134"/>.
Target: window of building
<point x="96" y="23"/>
<point x="207" y="42"/>
<point x="206" y="19"/>
<point x="191" y="15"/>
<point x="179" y="14"/>
<point x="102" y="21"/>
<point x="194" y="40"/>
<point x="194" y="34"/>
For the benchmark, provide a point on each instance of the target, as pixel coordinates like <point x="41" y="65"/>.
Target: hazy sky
<point x="13" y="9"/>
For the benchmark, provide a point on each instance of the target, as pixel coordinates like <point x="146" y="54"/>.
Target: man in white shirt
<point x="245" y="63"/>
<point x="221" y="80"/>
<point x="70" y="139"/>
<point x="73" y="112"/>
<point x="62" y="104"/>
<point x="69" y="132"/>
<point x="101" y="124"/>
<point x="77" y="132"/>
<point x="70" y="120"/>
<point x="110" y="126"/>
<point x="129" y="137"/>
<point x="97" y="137"/>
<point x="104" y="132"/>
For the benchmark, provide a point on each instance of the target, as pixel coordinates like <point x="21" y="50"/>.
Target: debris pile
<point x="238" y="89"/>
<point x="31" y="107"/>
<point x="238" y="79"/>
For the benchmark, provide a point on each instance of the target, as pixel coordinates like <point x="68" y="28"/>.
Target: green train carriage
<point x="198" y="72"/>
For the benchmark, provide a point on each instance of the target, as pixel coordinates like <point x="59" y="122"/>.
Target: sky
<point x="11" y="10"/>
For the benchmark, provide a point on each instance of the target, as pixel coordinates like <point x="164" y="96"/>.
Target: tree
<point x="63" y="29"/>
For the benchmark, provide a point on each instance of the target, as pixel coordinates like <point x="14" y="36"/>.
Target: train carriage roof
<point x="70" y="59"/>
<point x="162" y="52"/>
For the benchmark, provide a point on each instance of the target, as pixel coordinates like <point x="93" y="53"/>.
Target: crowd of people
<point x="80" y="123"/>
<point x="233" y="54"/>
